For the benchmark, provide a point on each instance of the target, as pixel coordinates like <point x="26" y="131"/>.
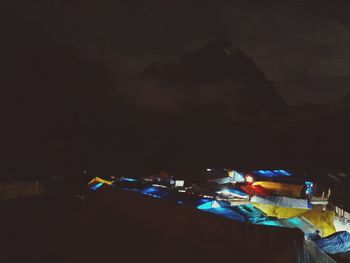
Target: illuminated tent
<point x="338" y="242"/>
<point x="209" y="205"/>
<point x="321" y="220"/>
<point x="275" y="188"/>
<point x="280" y="211"/>
<point x="215" y="208"/>
<point x="252" y="190"/>
<point x="98" y="182"/>
<point x="282" y="201"/>
<point x="250" y="213"/>
<point x="233" y="193"/>
<point x="236" y="176"/>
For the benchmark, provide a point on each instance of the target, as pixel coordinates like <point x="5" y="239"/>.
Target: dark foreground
<point x="118" y="226"/>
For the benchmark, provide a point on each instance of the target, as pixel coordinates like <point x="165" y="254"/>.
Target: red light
<point x="249" y="179"/>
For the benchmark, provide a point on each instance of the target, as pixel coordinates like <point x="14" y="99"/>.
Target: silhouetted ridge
<point x="216" y="63"/>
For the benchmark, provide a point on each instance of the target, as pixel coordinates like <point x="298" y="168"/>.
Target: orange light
<point x="249" y="179"/>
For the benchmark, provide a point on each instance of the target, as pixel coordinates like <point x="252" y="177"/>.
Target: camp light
<point x="249" y="179"/>
<point x="309" y="188"/>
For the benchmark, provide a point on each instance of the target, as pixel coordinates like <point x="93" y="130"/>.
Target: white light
<point x="159" y="185"/>
<point x="209" y="169"/>
<point x="215" y="205"/>
<point x="179" y="183"/>
<point x="227" y="192"/>
<point x="249" y="179"/>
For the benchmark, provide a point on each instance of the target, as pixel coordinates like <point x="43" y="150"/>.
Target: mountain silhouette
<point x="227" y="72"/>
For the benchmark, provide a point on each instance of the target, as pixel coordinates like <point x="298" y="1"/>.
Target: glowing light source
<point x="179" y="183"/>
<point x="309" y="188"/>
<point x="249" y="179"/>
<point x="215" y="205"/>
<point x="159" y="185"/>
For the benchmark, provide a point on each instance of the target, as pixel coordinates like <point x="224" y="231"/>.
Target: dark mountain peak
<point x="212" y="60"/>
<point x="219" y="43"/>
<point x="238" y="54"/>
<point x="217" y="46"/>
<point x="218" y="61"/>
<point x="228" y="72"/>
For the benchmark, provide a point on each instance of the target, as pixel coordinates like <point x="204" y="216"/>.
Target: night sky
<point x="72" y="73"/>
<point x="302" y="46"/>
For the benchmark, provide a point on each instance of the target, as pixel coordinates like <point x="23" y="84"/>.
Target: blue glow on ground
<point x="96" y="186"/>
<point x="154" y="192"/>
<point x="126" y="179"/>
<point x="284" y="172"/>
<point x="272" y="173"/>
<point x="149" y="190"/>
